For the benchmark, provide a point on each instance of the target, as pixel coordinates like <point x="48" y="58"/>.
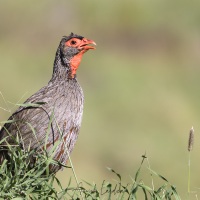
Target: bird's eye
<point x="73" y="42"/>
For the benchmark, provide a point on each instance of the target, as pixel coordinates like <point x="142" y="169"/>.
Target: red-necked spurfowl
<point x="59" y="117"/>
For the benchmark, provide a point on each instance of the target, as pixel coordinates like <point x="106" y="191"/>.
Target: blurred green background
<point x="141" y="85"/>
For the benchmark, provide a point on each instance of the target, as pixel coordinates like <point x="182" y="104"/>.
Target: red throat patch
<point x="75" y="62"/>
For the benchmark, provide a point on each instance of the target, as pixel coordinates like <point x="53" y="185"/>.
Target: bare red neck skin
<point x="74" y="64"/>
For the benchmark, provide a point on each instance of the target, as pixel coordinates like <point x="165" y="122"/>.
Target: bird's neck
<point x="61" y="69"/>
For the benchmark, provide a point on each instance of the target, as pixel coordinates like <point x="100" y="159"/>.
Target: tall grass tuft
<point x="23" y="178"/>
<point x="20" y="178"/>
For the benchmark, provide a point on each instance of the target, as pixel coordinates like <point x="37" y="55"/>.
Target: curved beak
<point x="84" y="45"/>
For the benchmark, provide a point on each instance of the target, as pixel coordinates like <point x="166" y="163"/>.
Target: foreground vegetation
<point x="25" y="174"/>
<point x="20" y="178"/>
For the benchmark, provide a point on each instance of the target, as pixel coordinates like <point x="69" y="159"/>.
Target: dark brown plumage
<point x="62" y="101"/>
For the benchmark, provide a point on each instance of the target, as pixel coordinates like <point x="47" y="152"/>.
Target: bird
<point x="58" y="112"/>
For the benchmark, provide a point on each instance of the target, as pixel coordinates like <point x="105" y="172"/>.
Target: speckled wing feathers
<point x="63" y="102"/>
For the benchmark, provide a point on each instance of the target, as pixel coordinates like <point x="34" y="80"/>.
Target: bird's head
<point x="71" y="50"/>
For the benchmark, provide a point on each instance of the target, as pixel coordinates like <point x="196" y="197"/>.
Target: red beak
<point x="85" y="42"/>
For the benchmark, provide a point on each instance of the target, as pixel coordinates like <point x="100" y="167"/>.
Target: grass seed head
<point x="191" y="139"/>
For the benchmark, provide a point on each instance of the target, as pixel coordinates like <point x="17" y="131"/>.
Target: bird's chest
<point x="68" y="108"/>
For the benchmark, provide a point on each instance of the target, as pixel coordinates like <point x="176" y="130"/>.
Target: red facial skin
<point x="81" y="45"/>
